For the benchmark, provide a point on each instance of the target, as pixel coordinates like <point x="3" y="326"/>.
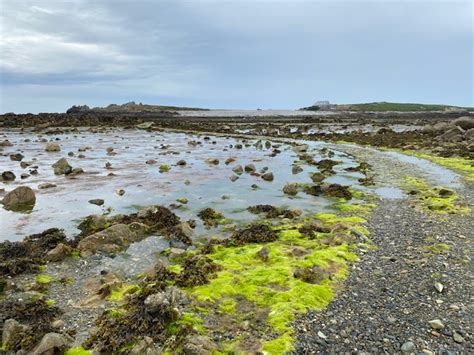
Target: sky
<point x="233" y="54"/>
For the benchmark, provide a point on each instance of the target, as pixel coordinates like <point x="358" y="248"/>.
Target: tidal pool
<point x="201" y="183"/>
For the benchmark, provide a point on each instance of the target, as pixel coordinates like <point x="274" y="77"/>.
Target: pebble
<point x="408" y="347"/>
<point x="436" y="324"/>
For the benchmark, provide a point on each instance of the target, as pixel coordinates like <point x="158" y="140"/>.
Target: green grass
<point x="399" y="106"/>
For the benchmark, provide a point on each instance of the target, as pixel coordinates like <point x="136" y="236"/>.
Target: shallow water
<point x="65" y="205"/>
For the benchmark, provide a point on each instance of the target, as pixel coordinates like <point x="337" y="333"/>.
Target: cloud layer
<point x="236" y="54"/>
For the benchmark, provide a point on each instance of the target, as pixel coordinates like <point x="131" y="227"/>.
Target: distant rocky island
<point x="131" y="107"/>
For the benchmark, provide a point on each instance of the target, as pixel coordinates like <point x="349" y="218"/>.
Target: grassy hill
<point x="398" y="106"/>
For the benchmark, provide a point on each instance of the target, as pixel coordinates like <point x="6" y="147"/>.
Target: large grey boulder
<point x="52" y="343"/>
<point x="465" y="122"/>
<point x="21" y="198"/>
<point x="62" y="167"/>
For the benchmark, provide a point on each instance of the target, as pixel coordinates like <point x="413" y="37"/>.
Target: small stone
<point x="97" y="201"/>
<point x="458" y="338"/>
<point x="181" y="163"/>
<point x="16" y="156"/>
<point x="120" y="192"/>
<point x="322" y="335"/>
<point x="58" y="324"/>
<point x="439" y="287"/>
<point x="408" y="347"/>
<point x="267" y="176"/>
<point x="151" y="161"/>
<point x="436" y="324"/>
<point x="46" y="185"/>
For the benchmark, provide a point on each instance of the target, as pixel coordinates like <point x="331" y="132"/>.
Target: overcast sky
<point x="233" y="54"/>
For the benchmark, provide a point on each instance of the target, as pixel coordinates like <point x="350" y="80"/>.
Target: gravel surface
<point x="390" y="296"/>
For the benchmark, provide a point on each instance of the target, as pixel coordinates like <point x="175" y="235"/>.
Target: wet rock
<point x="233" y="178"/>
<point x="469" y="134"/>
<point x="151" y="162"/>
<point x="249" y="168"/>
<point x="301" y="148"/>
<point x="60" y="252"/>
<point x="112" y="239"/>
<point x="25" y="164"/>
<point x="198" y="345"/>
<point x="290" y="189"/>
<point x="336" y="190"/>
<point x="314" y="190"/>
<point x="181" y="162"/>
<point x="8" y="176"/>
<point x="212" y="161"/>
<point x="317" y="177"/>
<point x="229" y="160"/>
<point x="52" y="343"/>
<point x="97" y="201"/>
<point x="108" y="165"/>
<point x="120" y="192"/>
<point x="464" y="122"/>
<point x="326" y="165"/>
<point x="24" y="176"/>
<point x="21" y="198"/>
<point x="6" y="143"/>
<point x="210" y="217"/>
<point x="268" y="177"/>
<point x="264" y="253"/>
<point x="62" y="167"/>
<point x="16" y="156"/>
<point x="46" y="185"/>
<point x="76" y="171"/>
<point x="145" y="125"/>
<point x="238" y="169"/>
<point x="52" y="147"/>
<point x="296" y="169"/>
<point x="13" y="332"/>
<point x="183" y="233"/>
<point x="166" y="302"/>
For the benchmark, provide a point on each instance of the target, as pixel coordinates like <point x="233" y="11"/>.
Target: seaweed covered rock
<point x="24" y="320"/>
<point x="197" y="270"/>
<point x="21" y="198"/>
<point x="254" y="233"/>
<point x="312" y="227"/>
<point x="326" y="165"/>
<point x="166" y="303"/>
<point x="290" y="189"/>
<point x="336" y="190"/>
<point x="199" y="345"/>
<point x="313" y="275"/>
<point x="210" y="217"/>
<point x="274" y="212"/>
<point x="26" y="256"/>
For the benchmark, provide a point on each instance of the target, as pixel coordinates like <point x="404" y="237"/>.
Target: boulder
<point x="199" y="345"/>
<point x="21" y="198"/>
<point x="250" y="168"/>
<point x="8" y="176"/>
<point x="452" y="135"/>
<point x="52" y="147"/>
<point x="146" y="346"/>
<point x="60" y="252"/>
<point x="62" y="167"/>
<point x="13" y="333"/>
<point x="469" y="135"/>
<point x="6" y="143"/>
<point x="52" y="343"/>
<point x="290" y="189"/>
<point x="238" y="169"/>
<point x="97" y="201"/>
<point x="112" y="239"/>
<point x="268" y="177"/>
<point x="465" y="122"/>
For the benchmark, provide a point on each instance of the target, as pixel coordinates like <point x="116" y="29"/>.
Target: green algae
<point x="43" y="279"/>
<point x="164" y="168"/>
<point x="280" y="345"/>
<point x="437" y="199"/>
<point x="186" y="321"/>
<point x="355" y="208"/>
<point x="78" y="351"/>
<point x="177" y="269"/>
<point x="332" y="218"/>
<point x="119" y="293"/>
<point x="439" y="248"/>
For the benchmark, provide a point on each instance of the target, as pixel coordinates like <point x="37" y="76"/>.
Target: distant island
<point x="384" y="106"/>
<point x="132" y="107"/>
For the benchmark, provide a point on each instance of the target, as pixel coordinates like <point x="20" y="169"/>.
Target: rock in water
<point x="62" y="167"/>
<point x="290" y="189"/>
<point x="267" y="176"/>
<point x="21" y="198"/>
<point x="16" y="156"/>
<point x="53" y="147"/>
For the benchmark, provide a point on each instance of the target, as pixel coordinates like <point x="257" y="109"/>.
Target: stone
<point x="58" y="324"/>
<point x="62" y="167"/>
<point x="145" y="125"/>
<point x="452" y="135"/>
<point x="199" y="345"/>
<point x="233" y="178"/>
<point x="97" y="201"/>
<point x="76" y="171"/>
<point x="264" y="253"/>
<point x="249" y="168"/>
<point x="408" y="347"/>
<point x="296" y="169"/>
<point x="52" y="147"/>
<point x="6" y="143"/>
<point x="229" y="160"/>
<point x="16" y="157"/>
<point x="322" y="335"/>
<point x="268" y="177"/>
<point x="146" y="346"/>
<point x="52" y="343"/>
<point x="212" y="161"/>
<point x="59" y="252"/>
<point x="469" y="134"/>
<point x="112" y="239"/>
<point x="8" y="176"/>
<point x="181" y="162"/>
<point x="120" y="192"/>
<point x="151" y="161"/>
<point x="46" y="185"/>
<point x="238" y="169"/>
<point x="290" y="189"/>
<point x="24" y="175"/>
<point x="465" y="122"/>
<point x="439" y="287"/>
<point x="458" y="338"/>
<point x="22" y="197"/>
<point x="436" y="324"/>
<point x="12" y="334"/>
<point x="184" y="232"/>
<point x="25" y="164"/>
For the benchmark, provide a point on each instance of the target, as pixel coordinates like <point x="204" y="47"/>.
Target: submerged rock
<point x="62" y="167"/>
<point x="21" y="198"/>
<point x="290" y="189"/>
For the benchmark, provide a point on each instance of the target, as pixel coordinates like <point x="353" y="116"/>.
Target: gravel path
<point x="390" y="296"/>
